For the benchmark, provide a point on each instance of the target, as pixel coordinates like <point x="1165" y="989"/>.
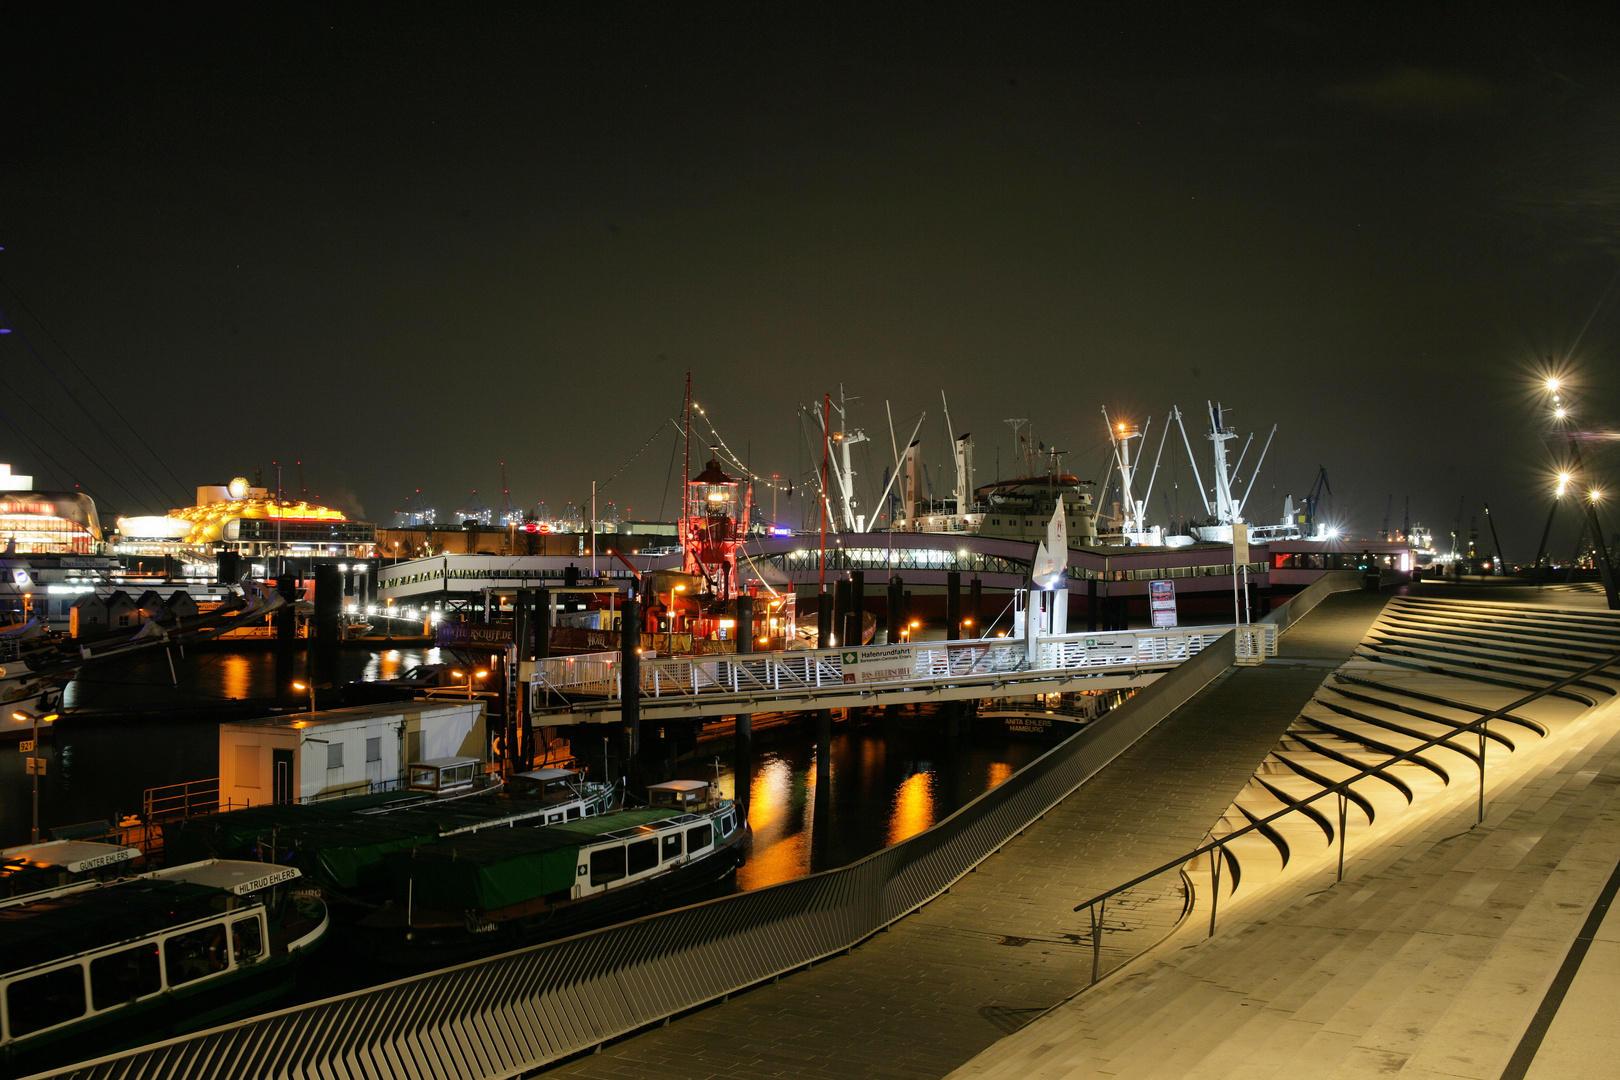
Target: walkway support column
<point x="286" y="623"/>
<point x="742" y="768"/>
<point x="857" y="605"/>
<point x="745" y="624"/>
<point x="891" y="615"/>
<point x="542" y="652"/>
<point x="630" y="679"/>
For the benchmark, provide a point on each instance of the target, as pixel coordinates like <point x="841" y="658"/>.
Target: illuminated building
<point x="250" y="521"/>
<point x="46" y="522"/>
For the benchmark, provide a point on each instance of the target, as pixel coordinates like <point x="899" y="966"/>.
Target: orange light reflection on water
<point x="781" y="809"/>
<point x="999" y="771"/>
<point x="236" y="676"/>
<point x="913" y="807"/>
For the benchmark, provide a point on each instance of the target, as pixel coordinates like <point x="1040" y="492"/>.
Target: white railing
<point x="598" y="674"/>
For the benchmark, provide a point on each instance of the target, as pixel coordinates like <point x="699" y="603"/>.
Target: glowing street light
<point x="36" y="765"/>
<point x="470" y="676"/>
<point x="311" y="688"/>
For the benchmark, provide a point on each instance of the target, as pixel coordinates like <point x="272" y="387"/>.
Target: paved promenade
<point x="1004" y="946"/>
<point x="1451" y="950"/>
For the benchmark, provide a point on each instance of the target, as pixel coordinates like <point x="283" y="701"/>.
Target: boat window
<point x="643" y="855"/>
<point x="247" y="940"/>
<point x="424" y="778"/>
<point x="573" y="812"/>
<point x="672" y="847"/>
<point x="728" y="823"/>
<point x="699" y="837"/>
<point x="552" y="819"/>
<point x="590" y="811"/>
<point x="45" y="1000"/>
<point x="607" y="864"/>
<point x="195" y="953"/>
<point x="122" y="977"/>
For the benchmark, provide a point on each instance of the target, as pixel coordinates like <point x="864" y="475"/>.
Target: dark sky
<point x="403" y="244"/>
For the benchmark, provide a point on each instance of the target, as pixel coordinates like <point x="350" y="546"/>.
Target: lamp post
<point x="1576" y="471"/>
<point x="311" y="688"/>
<point x="36" y="765"/>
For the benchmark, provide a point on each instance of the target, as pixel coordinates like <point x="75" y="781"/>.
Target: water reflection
<point x="913" y="808"/>
<point x="885" y="782"/>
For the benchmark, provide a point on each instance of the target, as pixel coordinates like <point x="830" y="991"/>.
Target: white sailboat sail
<point x="1052" y="555"/>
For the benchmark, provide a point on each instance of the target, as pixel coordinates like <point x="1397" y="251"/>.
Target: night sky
<point x="403" y="244"/>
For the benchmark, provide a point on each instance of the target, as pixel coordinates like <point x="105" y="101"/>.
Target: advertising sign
<point x="494" y="635"/>
<point x="1162" y="602"/>
<point x="1111" y="646"/>
<point x="880" y="664"/>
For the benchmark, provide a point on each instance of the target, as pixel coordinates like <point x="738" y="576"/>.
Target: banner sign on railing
<point x="1112" y="646"/>
<point x="882" y="664"/>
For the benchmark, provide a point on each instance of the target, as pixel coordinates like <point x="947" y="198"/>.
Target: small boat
<point x="340" y="843"/>
<point x="96" y="966"/>
<point x="466" y="895"/>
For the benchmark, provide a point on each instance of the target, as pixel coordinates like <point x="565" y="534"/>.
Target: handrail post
<point x="1484" y="724"/>
<point x="1096" y="941"/>
<point x="1215" y="891"/>
<point x="1343" y="808"/>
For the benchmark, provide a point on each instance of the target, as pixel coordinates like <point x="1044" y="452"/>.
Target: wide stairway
<point x="1434" y="955"/>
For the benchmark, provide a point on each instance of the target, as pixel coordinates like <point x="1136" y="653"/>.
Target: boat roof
<point x="444" y="762"/>
<point x="69" y="923"/>
<point x="237" y="876"/>
<point x="352" y="714"/>
<point x="546" y="774"/>
<point x="498" y="845"/>
<point x="73" y="856"/>
<point x="679" y="785"/>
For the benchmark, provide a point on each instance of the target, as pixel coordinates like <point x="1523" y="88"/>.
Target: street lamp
<point x="36" y="765"/>
<point x="470" y="676"/>
<point x="311" y="688"/>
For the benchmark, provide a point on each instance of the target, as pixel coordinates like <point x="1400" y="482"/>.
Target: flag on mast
<point x="1052" y="555"/>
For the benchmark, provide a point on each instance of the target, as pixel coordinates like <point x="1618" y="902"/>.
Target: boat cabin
<point x="444" y="776"/>
<point x="689" y="796"/>
<point x="552" y="785"/>
<point x="72" y="957"/>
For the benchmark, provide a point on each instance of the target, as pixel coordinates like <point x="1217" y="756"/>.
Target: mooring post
<point x="742" y="769"/>
<point x="953" y="605"/>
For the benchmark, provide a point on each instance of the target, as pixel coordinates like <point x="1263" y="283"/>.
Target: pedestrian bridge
<point x="589" y="688"/>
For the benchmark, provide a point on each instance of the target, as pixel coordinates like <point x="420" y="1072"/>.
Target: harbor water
<point x="888" y="778"/>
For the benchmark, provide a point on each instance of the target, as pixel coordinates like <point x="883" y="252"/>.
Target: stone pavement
<point x="1005" y="945"/>
<point x="1449" y="951"/>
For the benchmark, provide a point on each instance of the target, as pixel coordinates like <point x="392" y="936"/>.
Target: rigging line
<point x="731" y="455"/>
<point x="670" y="472"/>
<point x="656" y="431"/>
<point x="92" y="383"/>
<point x="41" y="451"/>
<point x="56" y="378"/>
<point x="71" y="442"/>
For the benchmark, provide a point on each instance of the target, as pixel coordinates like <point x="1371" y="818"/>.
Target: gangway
<point x="588" y="688"/>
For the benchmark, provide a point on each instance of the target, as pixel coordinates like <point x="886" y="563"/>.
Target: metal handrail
<point x="1341" y="789"/>
<point x="806" y="669"/>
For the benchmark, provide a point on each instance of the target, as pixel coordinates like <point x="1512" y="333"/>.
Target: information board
<point x="879" y="664"/>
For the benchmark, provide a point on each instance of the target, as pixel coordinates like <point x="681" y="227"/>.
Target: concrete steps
<point x="1424" y="961"/>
